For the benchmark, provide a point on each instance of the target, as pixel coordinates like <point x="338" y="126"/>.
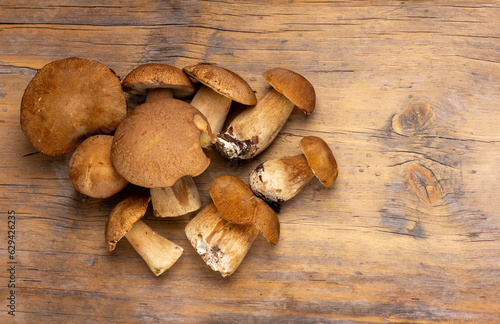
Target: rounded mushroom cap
<point x="223" y="81"/>
<point x="160" y="142"/>
<point x="123" y="217"/>
<point x="236" y="202"/>
<point x="91" y="171"/>
<point x="320" y="159"/>
<point x="154" y="76"/>
<point x="293" y="86"/>
<point x="69" y="99"/>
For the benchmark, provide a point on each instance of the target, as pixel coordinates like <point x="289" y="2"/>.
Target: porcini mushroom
<point x="158" y="81"/>
<point x="124" y="220"/>
<point x="254" y="129"/>
<point x="223" y="232"/>
<point x="282" y="179"/>
<point x="161" y="81"/>
<point x="91" y="171"/>
<point x="160" y="142"/>
<point x="219" y="88"/>
<point x="68" y="100"/>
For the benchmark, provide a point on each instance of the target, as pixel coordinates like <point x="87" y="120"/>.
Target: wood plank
<point x="407" y="99"/>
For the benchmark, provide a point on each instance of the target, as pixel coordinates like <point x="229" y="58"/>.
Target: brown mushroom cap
<point x="154" y="76"/>
<point x="236" y="202"/>
<point x="320" y="159"/>
<point x="123" y="217"/>
<point x="69" y="99"/>
<point x="159" y="143"/>
<point x="91" y="171"/>
<point x="223" y="81"/>
<point x="293" y="86"/>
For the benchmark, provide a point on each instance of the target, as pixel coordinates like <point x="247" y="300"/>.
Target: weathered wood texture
<point x="408" y="95"/>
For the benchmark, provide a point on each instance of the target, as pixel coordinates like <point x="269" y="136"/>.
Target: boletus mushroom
<point x="282" y="179"/>
<point x="223" y="232"/>
<point x="254" y="129"/>
<point x="68" y="100"/>
<point x="125" y="220"/>
<point x="158" y="81"/>
<point x="219" y="88"/>
<point x="159" y="146"/>
<point x="160" y="142"/>
<point x="91" y="171"/>
<point x="161" y="81"/>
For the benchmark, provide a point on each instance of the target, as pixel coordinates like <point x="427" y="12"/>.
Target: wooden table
<point x="407" y="98"/>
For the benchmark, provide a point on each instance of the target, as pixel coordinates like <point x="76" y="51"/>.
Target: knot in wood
<point x="423" y="183"/>
<point x="413" y="118"/>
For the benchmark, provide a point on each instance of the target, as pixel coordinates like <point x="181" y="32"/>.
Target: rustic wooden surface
<point x="408" y="95"/>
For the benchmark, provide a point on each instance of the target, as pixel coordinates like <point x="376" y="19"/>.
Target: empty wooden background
<point x="407" y="98"/>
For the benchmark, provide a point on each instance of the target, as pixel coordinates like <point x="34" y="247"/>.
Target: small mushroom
<point x="158" y="81"/>
<point x="91" y="171"/>
<point x="124" y="220"/>
<point x="223" y="232"/>
<point x="220" y="87"/>
<point x="67" y="101"/>
<point x="281" y="179"/>
<point x="254" y="129"/>
<point x="160" y="142"/>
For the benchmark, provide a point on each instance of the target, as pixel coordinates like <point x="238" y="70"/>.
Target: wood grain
<point x="407" y="96"/>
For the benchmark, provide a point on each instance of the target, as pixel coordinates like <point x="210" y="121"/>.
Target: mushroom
<point x="158" y="81"/>
<point x="91" y="171"/>
<point x="223" y="232"/>
<point x="281" y="179"/>
<point x="68" y="100"/>
<point x="161" y="81"/>
<point x="160" y="142"/>
<point x="124" y="220"/>
<point x="254" y="129"/>
<point x="219" y="88"/>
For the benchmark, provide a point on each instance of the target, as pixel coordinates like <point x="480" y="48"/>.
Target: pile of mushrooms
<point x="78" y="106"/>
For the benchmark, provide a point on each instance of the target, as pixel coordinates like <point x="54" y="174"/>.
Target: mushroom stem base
<point x="180" y="199"/>
<point x="254" y="129"/>
<point x="158" y="252"/>
<point x="280" y="179"/>
<point x="220" y="243"/>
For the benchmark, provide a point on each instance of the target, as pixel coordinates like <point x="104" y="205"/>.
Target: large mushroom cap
<point x="223" y="81"/>
<point x="91" y="171"/>
<point x="320" y="159"/>
<point x="123" y="217"/>
<point x="160" y="142"/>
<point x="69" y="99"/>
<point x="293" y="86"/>
<point x="236" y="202"/>
<point x="154" y="76"/>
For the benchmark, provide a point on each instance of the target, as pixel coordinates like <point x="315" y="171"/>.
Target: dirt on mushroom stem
<point x="254" y="129"/>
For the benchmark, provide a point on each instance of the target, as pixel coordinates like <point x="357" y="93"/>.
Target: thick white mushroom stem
<point x="220" y="243"/>
<point x="254" y="129"/>
<point x="159" y="93"/>
<point x="158" y="252"/>
<point x="180" y="199"/>
<point x="281" y="179"/>
<point x="213" y="105"/>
